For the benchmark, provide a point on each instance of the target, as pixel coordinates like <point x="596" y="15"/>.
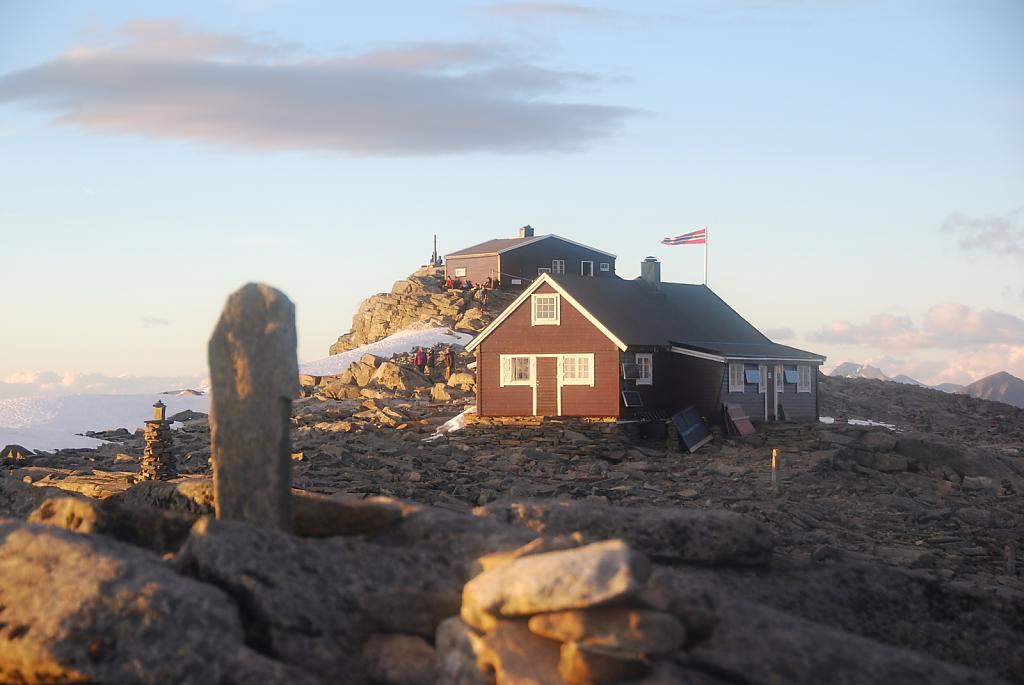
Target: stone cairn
<point x="157" y="461"/>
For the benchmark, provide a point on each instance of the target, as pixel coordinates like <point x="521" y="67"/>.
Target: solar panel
<point x="631" y="371"/>
<point x="792" y="376"/>
<point x="752" y="375"/>
<point x="632" y="398"/>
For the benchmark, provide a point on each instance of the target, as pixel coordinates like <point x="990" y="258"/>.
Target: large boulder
<point x="391" y="376"/>
<point x="79" y="608"/>
<point x="676" y="534"/>
<point x="303" y="599"/>
<point x="757" y="645"/>
<point x="569" y="579"/>
<point x="942" y="458"/>
<point x="155" y="529"/>
<point x="188" y="495"/>
<point x="19" y="499"/>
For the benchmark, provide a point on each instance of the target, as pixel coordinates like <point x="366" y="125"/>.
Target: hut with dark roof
<point x="627" y="349"/>
<point x="517" y="262"/>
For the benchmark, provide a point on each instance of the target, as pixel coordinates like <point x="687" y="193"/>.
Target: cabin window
<point x="578" y="369"/>
<point x="543" y="270"/>
<point x="606" y="266"/>
<point x="558" y="266"/>
<point x="780" y="379"/>
<point x="804" y="383"/>
<point x="736" y="378"/>
<point x="516" y="370"/>
<point x="792" y="376"/>
<point x="586" y="268"/>
<point x="460" y="272"/>
<point x="545" y="310"/>
<point x="752" y="375"/>
<point x="645" y="364"/>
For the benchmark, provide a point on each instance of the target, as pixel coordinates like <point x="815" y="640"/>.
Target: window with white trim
<point x="586" y="268"/>
<point x="645" y="362"/>
<point x="780" y="378"/>
<point x="792" y="376"/>
<point x="762" y="378"/>
<point x="545" y="310"/>
<point x="558" y="266"/>
<point x="606" y="266"/>
<point x="736" y="380"/>
<point x="460" y="272"/>
<point x="516" y="370"/>
<point x="804" y="384"/>
<point x="543" y="270"/>
<point x="577" y="369"/>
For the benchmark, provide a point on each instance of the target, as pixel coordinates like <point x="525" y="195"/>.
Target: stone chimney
<point x="650" y="272"/>
<point x="526" y="231"/>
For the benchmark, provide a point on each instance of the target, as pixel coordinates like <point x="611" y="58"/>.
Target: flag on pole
<point x="692" y="238"/>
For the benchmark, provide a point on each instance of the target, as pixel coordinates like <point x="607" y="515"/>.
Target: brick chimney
<point x="526" y="231"/>
<point x="650" y="272"/>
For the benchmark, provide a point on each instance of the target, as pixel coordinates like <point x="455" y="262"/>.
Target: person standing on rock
<point x="449" y="362"/>
<point x="420" y="360"/>
<point x="428" y="364"/>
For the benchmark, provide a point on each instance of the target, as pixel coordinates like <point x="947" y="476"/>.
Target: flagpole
<point x="706" y="232"/>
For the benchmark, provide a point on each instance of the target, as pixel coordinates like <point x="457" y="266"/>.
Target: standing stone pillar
<point x="254" y="376"/>
<point x="157" y="461"/>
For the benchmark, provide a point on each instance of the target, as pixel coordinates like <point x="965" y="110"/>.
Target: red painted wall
<point x="574" y="335"/>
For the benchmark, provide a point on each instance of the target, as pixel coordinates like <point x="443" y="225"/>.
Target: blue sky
<point x="859" y="164"/>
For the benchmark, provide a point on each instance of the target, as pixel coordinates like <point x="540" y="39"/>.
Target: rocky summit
<point x="416" y="552"/>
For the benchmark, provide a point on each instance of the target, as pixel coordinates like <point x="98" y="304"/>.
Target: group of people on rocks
<point x="426" y="358"/>
<point x="458" y="283"/>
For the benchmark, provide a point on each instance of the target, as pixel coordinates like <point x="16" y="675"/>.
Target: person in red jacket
<point x="420" y="360"/>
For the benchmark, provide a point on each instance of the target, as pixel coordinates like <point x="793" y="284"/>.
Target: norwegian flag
<point x="693" y="238"/>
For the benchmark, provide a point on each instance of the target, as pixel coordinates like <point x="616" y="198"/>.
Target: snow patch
<point x="403" y="341"/>
<point x="453" y="424"/>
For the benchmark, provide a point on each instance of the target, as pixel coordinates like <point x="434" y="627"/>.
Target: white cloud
<point x="1000" y="235"/>
<point x="954" y="343"/>
<point x="49" y="383"/>
<point x="157" y="79"/>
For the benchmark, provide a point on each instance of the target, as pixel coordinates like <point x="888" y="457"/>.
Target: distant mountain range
<point x="999" y="387"/>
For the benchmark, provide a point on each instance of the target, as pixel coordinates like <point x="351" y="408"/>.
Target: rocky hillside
<point x="877" y="556"/>
<point x="999" y="387"/>
<point x="421" y="301"/>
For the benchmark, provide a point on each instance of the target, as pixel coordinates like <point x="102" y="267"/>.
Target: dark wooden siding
<point x="477" y="268"/>
<point x="524" y="261"/>
<point x="677" y="382"/>
<point x="797" y="405"/>
<point x="574" y="335"/>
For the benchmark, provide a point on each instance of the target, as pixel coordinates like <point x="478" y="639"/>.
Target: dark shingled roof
<point x="494" y="246"/>
<point x="683" y="315"/>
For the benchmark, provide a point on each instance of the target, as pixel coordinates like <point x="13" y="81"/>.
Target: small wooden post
<point x="775" y="467"/>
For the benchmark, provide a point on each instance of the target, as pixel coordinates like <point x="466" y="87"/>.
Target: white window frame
<point x="583" y="271"/>
<point x="558" y="266"/>
<point x="577" y="378"/>
<point x="649" y="358"/>
<point x="606" y="266"/>
<point x="507" y="365"/>
<point x="762" y="383"/>
<point x="543" y="270"/>
<point x="780" y="379"/>
<point x="535" y="299"/>
<point x="460" y="272"/>
<point x="737" y="379"/>
<point x="805" y="383"/>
